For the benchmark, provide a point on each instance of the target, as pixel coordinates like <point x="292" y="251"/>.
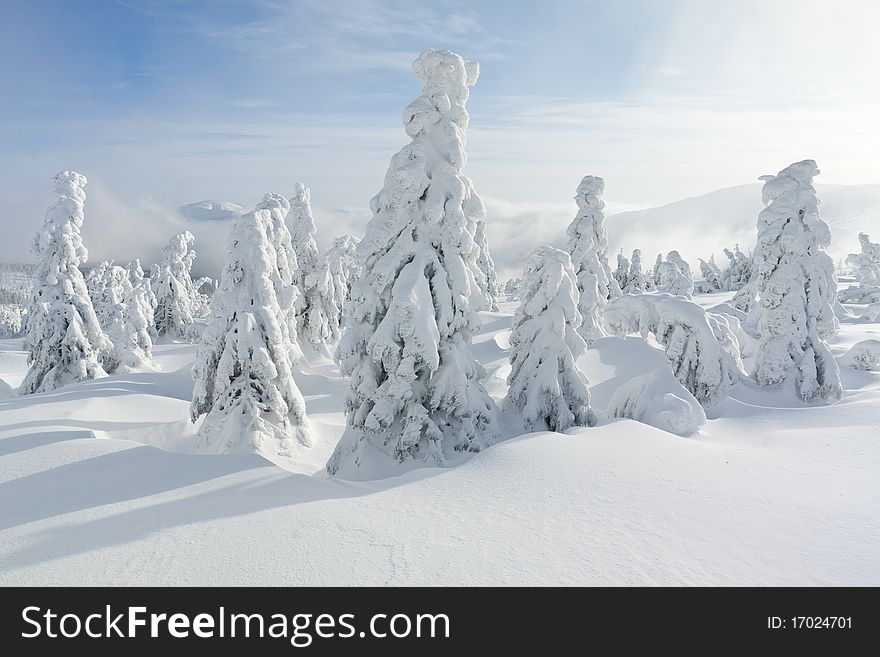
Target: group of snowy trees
<point x="398" y="310"/>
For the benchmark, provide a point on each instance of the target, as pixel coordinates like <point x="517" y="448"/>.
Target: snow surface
<point x="97" y="487"/>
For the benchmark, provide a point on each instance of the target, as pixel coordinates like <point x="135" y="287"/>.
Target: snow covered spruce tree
<point x="738" y="271"/>
<point x="793" y="288"/>
<point x="415" y="392"/>
<point x="547" y="387"/>
<point x="64" y="340"/>
<point x="636" y="282"/>
<point x="173" y="287"/>
<point x="866" y="263"/>
<point x="701" y="347"/>
<point x="243" y="372"/>
<point x="655" y="272"/>
<point x="310" y="278"/>
<point x="675" y="280"/>
<point x="132" y="345"/>
<point x="621" y="274"/>
<point x="588" y="247"/>
<point x="712" y="275"/>
<point x="489" y="279"/>
<point x="343" y="268"/>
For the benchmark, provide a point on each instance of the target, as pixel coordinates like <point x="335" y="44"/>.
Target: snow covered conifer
<point x="636" y="282"/>
<point x="343" y="269"/>
<point x="866" y="263"/>
<point x="415" y="392"/>
<point x="173" y="287"/>
<point x="489" y="279"/>
<point x="546" y="385"/>
<point x="793" y="288"/>
<point x="307" y="277"/>
<point x="243" y="372"/>
<point x="712" y="274"/>
<point x="621" y="274"/>
<point x="700" y="347"/>
<point x="132" y="345"/>
<point x="588" y="247"/>
<point x="655" y="272"/>
<point x="738" y="271"/>
<point x="64" y="340"/>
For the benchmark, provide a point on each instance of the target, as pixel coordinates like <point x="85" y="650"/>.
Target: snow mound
<point x="872" y="312"/>
<point x="864" y="355"/>
<point x="212" y="210"/>
<point x="658" y="399"/>
<point x="6" y="390"/>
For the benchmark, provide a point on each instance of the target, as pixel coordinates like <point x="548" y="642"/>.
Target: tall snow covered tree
<point x="547" y="387"/>
<point x="133" y="347"/>
<point x="588" y="247"/>
<point x="64" y="340"/>
<point x="243" y="372"/>
<point x="173" y="287"/>
<point x="655" y="272"/>
<point x="621" y="274"/>
<point x="793" y="288"/>
<point x="343" y="269"/>
<point x="415" y="390"/>
<point x="489" y="279"/>
<point x="309" y="278"/>
<point x="636" y="282"/>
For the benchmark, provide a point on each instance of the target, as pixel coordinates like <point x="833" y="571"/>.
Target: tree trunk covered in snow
<point x="415" y="390"/>
<point x="64" y="340"/>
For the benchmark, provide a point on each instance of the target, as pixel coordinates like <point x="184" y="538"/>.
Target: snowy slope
<point x="705" y="224"/>
<point x="769" y="493"/>
<point x="212" y="210"/>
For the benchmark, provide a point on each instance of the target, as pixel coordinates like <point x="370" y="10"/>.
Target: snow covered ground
<point x="98" y="485"/>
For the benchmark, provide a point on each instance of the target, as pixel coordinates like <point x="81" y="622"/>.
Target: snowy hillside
<point x="99" y="485"/>
<point x="705" y="224"/>
<point x="212" y="210"/>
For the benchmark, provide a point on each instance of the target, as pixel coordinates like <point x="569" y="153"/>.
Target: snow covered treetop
<point x="791" y="192"/>
<point x="302" y="194"/>
<point x="276" y="204"/>
<point x="445" y="78"/>
<point x="589" y="192"/>
<point x="66" y="214"/>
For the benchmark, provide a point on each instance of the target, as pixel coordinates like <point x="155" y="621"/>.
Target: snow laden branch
<point x="243" y="372"/>
<point x="795" y="288"/>
<point x="546" y="386"/>
<point x="415" y="392"/>
<point x="64" y="339"/>
<point x="700" y="347"/>
<point x="588" y="247"/>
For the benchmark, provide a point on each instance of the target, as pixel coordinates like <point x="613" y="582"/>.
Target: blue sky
<point x="163" y="102"/>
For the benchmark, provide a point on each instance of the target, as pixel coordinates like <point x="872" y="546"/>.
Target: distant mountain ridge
<point x="703" y="225"/>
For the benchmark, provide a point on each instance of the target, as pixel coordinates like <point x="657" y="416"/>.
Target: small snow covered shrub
<point x="864" y="355"/>
<point x="64" y="340"/>
<point x="11" y="320"/>
<point x="700" y="347"/>
<point x="621" y="274"/>
<point x="866" y="263"/>
<point x="794" y="288"/>
<point x="243" y="372"/>
<point x="674" y="276"/>
<point x="546" y="385"/>
<point x="173" y="287"/>
<point x="415" y="391"/>
<point x="658" y="399"/>
<point x="872" y="313"/>
<point x="511" y="289"/>
<point x="588" y="247"/>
